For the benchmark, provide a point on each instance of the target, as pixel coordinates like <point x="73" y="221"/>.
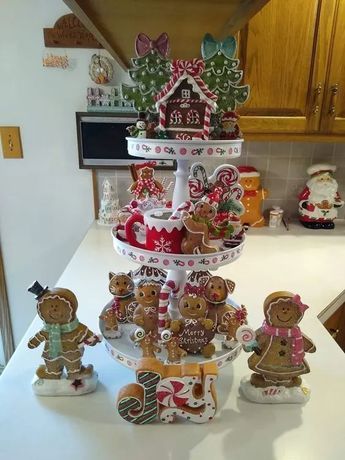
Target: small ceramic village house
<point x="185" y="103"/>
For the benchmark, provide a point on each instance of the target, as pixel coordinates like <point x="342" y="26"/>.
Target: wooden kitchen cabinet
<point x="333" y="110"/>
<point x="292" y="54"/>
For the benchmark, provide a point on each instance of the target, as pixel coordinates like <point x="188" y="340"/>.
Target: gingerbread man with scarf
<point x="146" y="185"/>
<point x="63" y="335"/>
<point x="280" y="361"/>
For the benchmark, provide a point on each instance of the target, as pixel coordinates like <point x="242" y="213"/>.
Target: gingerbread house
<point x="185" y="103"/>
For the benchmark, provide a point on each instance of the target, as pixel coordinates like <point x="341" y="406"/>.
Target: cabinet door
<point x="333" y="110"/>
<point x="284" y="61"/>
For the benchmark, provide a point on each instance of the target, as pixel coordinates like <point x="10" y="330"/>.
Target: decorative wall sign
<point x="55" y="60"/>
<point x="69" y="32"/>
<point x="100" y="69"/>
<point x="99" y="99"/>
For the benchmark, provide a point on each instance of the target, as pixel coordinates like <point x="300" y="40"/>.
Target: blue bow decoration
<point x="210" y="47"/>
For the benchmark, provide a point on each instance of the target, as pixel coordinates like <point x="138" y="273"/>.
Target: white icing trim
<point x="182" y="128"/>
<point x="159" y="224"/>
<point x="196" y="89"/>
<point x="52" y="297"/>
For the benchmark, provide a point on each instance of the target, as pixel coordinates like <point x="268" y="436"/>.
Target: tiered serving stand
<point x="122" y="349"/>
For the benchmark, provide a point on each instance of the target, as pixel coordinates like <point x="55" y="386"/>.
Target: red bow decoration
<point x="143" y="45"/>
<point x="194" y="67"/>
<point x="250" y="193"/>
<point x="189" y="289"/>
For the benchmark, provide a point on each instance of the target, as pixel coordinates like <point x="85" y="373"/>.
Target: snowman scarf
<point x="288" y="332"/>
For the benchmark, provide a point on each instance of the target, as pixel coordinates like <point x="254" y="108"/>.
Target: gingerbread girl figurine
<point x="278" y="361"/>
<point x="253" y="196"/>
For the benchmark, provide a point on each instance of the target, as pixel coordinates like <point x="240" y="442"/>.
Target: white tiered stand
<point x="122" y="349"/>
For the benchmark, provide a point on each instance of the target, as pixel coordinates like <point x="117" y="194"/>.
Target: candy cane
<point x="164" y="295"/>
<point x="186" y="206"/>
<point x="162" y="110"/>
<point x="207" y="122"/>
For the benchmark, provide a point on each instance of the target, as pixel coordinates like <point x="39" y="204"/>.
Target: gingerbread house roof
<point x="198" y="86"/>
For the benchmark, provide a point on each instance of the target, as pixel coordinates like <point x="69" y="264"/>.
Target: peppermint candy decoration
<point x="183" y="137"/>
<point x="166" y="335"/>
<point x="173" y="392"/>
<point x="227" y="175"/>
<point x="193" y="67"/>
<point x="245" y="335"/>
<point x="139" y="334"/>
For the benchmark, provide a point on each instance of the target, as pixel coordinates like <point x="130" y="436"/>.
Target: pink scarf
<point x="290" y="332"/>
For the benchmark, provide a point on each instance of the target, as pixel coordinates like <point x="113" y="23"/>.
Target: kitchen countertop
<point x="307" y="262"/>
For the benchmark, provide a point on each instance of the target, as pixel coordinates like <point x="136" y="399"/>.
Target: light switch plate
<point x="11" y="142"/>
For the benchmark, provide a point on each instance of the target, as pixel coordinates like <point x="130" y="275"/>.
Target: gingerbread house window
<point x="175" y="117"/>
<point x="185" y="93"/>
<point x="193" y="117"/>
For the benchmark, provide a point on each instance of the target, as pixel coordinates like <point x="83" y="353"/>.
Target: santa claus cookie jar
<point x="253" y="196"/>
<point x="320" y="200"/>
<point x="279" y="349"/>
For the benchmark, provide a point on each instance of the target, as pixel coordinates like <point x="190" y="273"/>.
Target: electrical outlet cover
<point x="11" y="142"/>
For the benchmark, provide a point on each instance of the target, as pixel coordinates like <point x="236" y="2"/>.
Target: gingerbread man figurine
<point x="253" y="196"/>
<point x="63" y="335"/>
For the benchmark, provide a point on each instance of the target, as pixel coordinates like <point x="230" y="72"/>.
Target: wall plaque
<point x="69" y="32"/>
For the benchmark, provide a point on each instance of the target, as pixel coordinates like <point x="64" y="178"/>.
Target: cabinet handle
<point x="316" y="105"/>
<point x="334" y="92"/>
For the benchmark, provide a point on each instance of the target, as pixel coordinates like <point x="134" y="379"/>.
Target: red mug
<point x="162" y="235"/>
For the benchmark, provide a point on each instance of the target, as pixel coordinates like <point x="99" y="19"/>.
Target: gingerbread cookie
<point x="121" y="286"/>
<point x="216" y="293"/>
<point x="197" y="226"/>
<point x="147" y="343"/>
<point x="171" y="344"/>
<point x="146" y="313"/>
<point x="146" y="185"/>
<point x="195" y="330"/>
<point x="111" y="326"/>
<point x="62" y="334"/>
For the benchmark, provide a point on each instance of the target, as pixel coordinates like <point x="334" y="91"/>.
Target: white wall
<point x="46" y="203"/>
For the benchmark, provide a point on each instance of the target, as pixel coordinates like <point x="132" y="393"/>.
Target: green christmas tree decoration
<point x="221" y="73"/>
<point x="150" y="72"/>
<point x="231" y="206"/>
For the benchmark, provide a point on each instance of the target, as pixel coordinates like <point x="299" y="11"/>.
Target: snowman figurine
<point x="141" y="128"/>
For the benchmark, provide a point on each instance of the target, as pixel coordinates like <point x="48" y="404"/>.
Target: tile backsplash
<point x="282" y="166"/>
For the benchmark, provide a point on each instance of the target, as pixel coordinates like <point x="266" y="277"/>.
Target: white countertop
<point x="311" y="263"/>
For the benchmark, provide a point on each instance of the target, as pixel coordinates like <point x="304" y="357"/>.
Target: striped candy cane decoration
<point x="164" y="295"/>
<point x="162" y="112"/>
<point x="186" y="206"/>
<point x="207" y="121"/>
